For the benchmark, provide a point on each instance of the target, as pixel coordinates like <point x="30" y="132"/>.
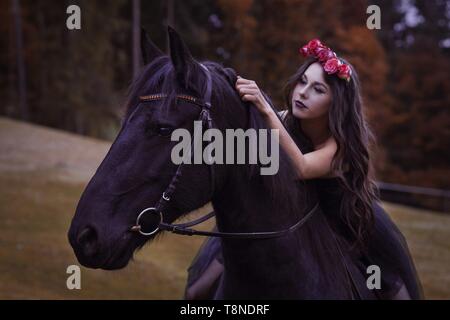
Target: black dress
<point x="387" y="249"/>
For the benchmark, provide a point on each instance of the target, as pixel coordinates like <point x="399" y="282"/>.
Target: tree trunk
<point x="22" y="83"/>
<point x="136" y="36"/>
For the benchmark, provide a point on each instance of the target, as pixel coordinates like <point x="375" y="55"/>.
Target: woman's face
<point x="311" y="97"/>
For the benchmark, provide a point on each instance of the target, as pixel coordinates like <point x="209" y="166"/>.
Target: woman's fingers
<point x="251" y="91"/>
<point x="244" y="87"/>
<point x="249" y="97"/>
<point x="244" y="81"/>
<point x="247" y="86"/>
<point x="248" y="89"/>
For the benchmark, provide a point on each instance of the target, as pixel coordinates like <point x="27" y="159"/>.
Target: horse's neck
<point x="242" y="209"/>
<point x="276" y="268"/>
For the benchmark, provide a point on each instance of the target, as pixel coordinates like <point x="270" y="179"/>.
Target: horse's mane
<point x="159" y="77"/>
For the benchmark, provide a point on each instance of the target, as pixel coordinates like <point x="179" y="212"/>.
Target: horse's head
<point x="138" y="167"/>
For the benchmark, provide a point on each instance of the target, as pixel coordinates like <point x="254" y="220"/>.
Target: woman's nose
<point x="302" y="93"/>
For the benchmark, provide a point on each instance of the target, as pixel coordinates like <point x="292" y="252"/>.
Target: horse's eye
<point x="164" y="131"/>
<point x="153" y="128"/>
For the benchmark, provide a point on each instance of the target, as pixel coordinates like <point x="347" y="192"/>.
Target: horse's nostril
<point x="87" y="239"/>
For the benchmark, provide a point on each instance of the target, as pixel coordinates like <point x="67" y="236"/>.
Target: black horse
<point x="305" y="264"/>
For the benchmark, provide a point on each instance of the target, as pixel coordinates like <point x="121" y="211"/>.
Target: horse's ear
<point x="180" y="55"/>
<point x="149" y="50"/>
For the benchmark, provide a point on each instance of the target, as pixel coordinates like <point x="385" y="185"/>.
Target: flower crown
<point x="328" y="59"/>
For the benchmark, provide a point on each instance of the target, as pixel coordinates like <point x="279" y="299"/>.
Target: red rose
<point x="325" y="54"/>
<point x="314" y="44"/>
<point x="344" y="72"/>
<point x="332" y="65"/>
<point x="305" y="51"/>
<point x="318" y="50"/>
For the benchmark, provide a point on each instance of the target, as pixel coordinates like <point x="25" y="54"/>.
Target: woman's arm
<point x="312" y="165"/>
<point x="316" y="164"/>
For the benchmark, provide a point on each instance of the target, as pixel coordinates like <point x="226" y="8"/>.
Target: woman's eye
<point x="302" y="81"/>
<point x="319" y="90"/>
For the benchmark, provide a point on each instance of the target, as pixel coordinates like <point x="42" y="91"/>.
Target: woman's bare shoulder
<point x="329" y="144"/>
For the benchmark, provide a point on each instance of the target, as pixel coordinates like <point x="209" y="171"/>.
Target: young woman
<point x="324" y="105"/>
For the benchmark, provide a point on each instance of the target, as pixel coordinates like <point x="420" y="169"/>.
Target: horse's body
<point x="305" y="264"/>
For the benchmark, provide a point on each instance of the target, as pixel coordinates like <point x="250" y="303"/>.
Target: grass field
<point x="44" y="171"/>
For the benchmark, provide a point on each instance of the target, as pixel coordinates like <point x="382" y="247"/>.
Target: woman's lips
<point x="299" y="104"/>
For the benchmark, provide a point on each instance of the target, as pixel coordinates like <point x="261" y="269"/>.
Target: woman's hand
<point x="249" y="91"/>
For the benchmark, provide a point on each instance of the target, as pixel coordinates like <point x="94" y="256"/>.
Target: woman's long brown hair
<point x="351" y="162"/>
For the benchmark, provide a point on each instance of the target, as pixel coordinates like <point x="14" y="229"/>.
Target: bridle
<point x="183" y="228"/>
